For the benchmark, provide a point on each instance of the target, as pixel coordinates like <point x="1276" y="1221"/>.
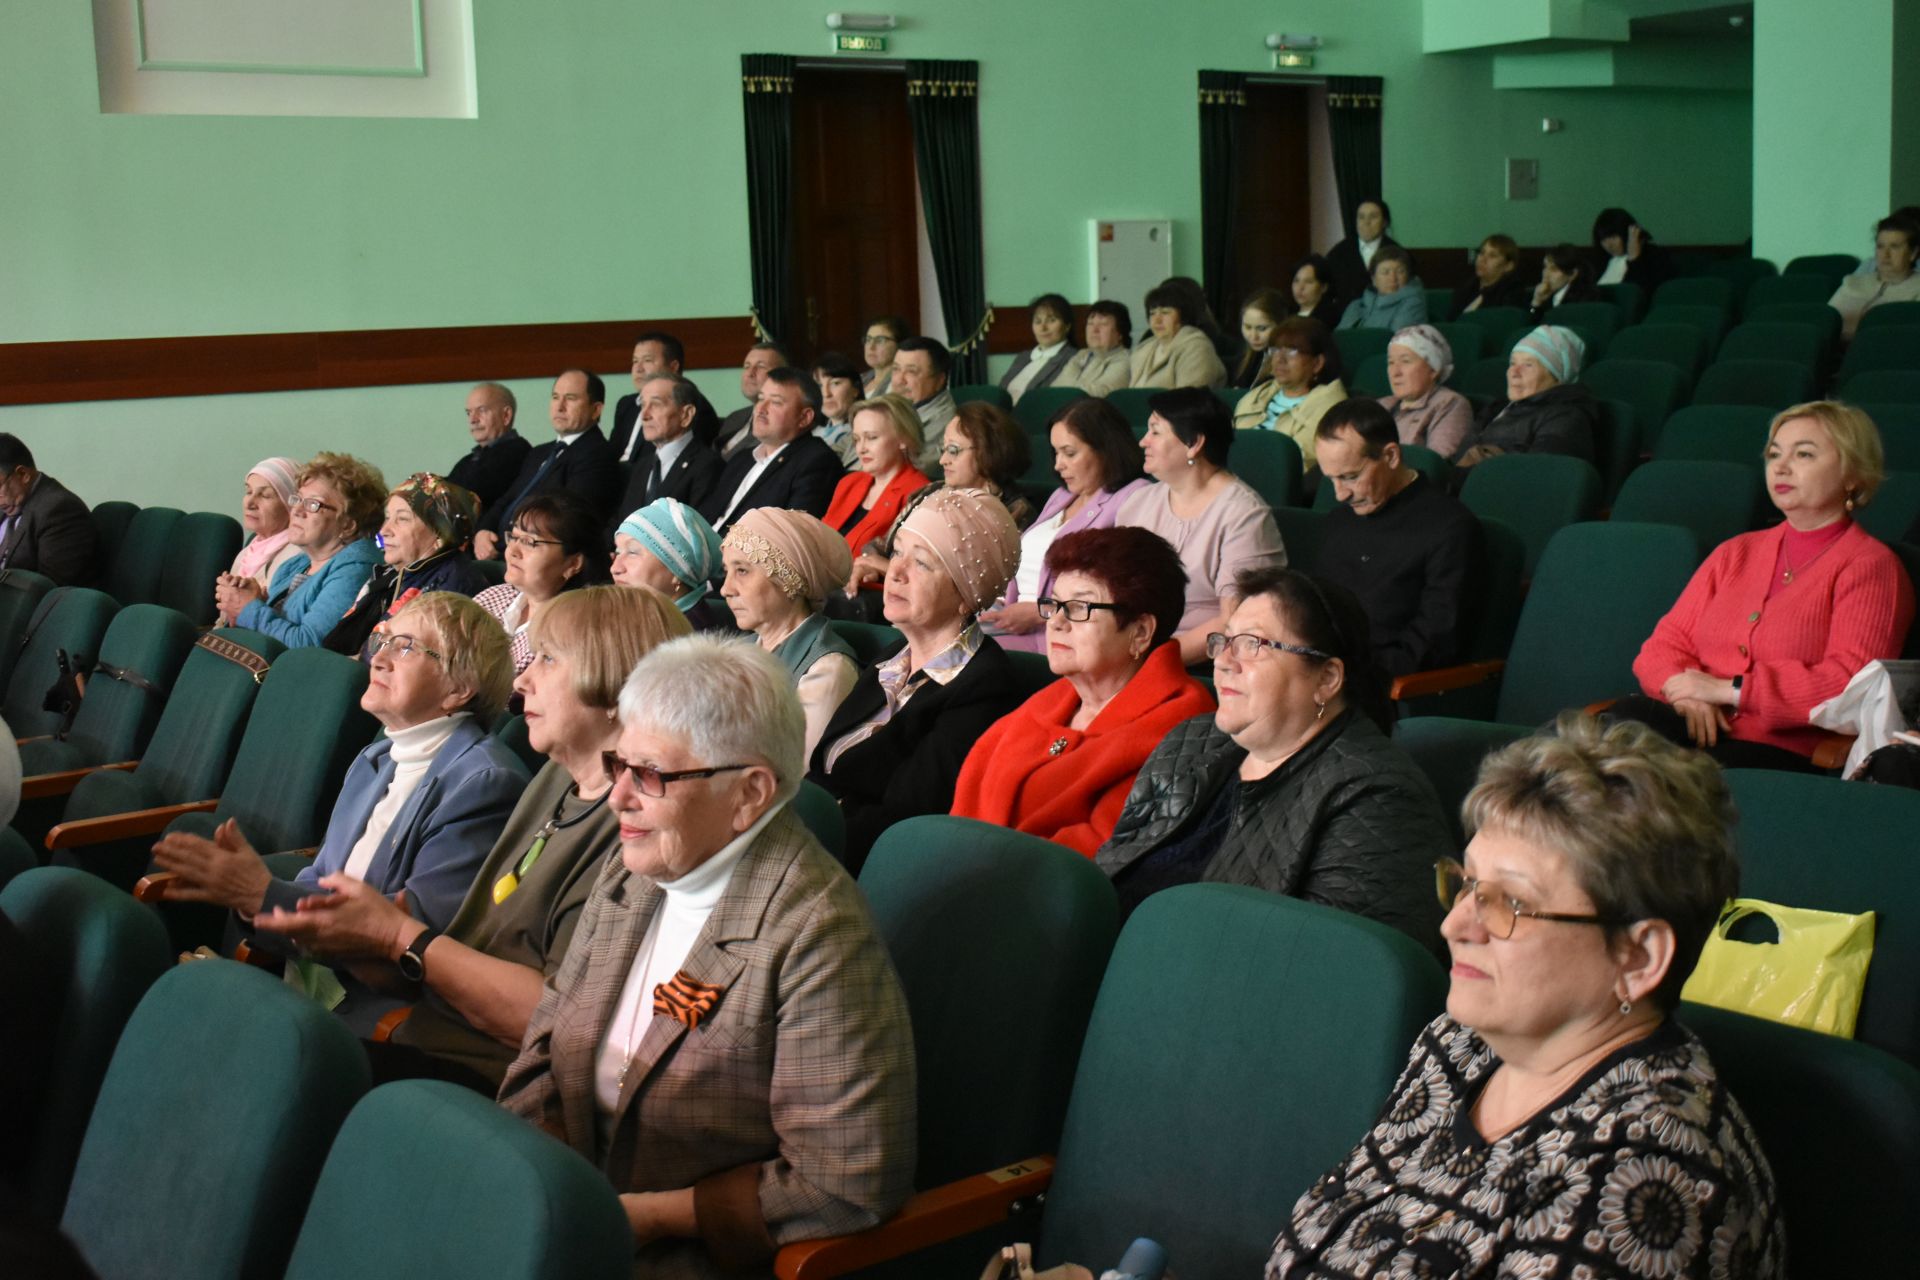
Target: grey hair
<point x="729" y="701"/>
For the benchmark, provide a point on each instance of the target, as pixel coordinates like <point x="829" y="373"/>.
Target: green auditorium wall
<point x="604" y="179"/>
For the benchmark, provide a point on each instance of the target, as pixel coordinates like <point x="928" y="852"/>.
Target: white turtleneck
<point x="683" y="913"/>
<point x="413" y="753"/>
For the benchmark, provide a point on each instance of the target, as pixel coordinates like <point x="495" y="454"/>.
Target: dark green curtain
<point x="766" y="82"/>
<point x="943" y="101"/>
<point x="1353" y="123"/>
<point x="1223" y="101"/>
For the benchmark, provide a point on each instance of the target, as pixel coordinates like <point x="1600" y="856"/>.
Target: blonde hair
<point x="472" y="644"/>
<point x="899" y="411"/>
<point x="604" y="632"/>
<point x="362" y="489"/>
<point x="1862" y="461"/>
<point x="1646" y="825"/>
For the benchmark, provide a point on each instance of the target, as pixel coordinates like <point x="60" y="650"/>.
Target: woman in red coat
<point x="1060" y="767"/>
<point x="1776" y="622"/>
<point x="886" y="436"/>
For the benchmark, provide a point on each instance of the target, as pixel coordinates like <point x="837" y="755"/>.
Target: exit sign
<point x="846" y="42"/>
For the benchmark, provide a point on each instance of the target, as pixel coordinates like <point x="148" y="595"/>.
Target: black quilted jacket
<point x="1349" y="821"/>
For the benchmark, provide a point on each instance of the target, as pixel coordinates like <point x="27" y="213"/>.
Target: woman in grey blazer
<point x="1052" y="318"/>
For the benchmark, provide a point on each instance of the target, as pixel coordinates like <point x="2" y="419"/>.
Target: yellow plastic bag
<point x="1811" y="978"/>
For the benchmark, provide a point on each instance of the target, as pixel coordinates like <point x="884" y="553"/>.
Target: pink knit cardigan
<point x="1849" y="607"/>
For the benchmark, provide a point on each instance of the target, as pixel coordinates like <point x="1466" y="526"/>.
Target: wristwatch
<point x="413" y="961"/>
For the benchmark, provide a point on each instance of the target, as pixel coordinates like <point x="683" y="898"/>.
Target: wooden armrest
<point x="1833" y="750"/>
<point x="1419" y="684"/>
<point x="42" y="785"/>
<point x="120" y="826"/>
<point x="154" y="886"/>
<point x="1600" y="708"/>
<point x="38" y="737"/>
<point x="390" y="1022"/>
<point x="944" y="1213"/>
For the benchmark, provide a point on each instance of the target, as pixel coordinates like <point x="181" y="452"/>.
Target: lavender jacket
<point x="1099" y="513"/>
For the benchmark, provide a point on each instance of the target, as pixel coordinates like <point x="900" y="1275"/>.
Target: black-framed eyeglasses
<point x="650" y="781"/>
<point x="1076" y="610"/>
<point x="1496" y="909"/>
<point x="1246" y="647"/>
<point x="401" y="646"/>
<point x="529" y="541"/>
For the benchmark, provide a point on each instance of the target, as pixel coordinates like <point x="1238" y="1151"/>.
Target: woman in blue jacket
<point x="1396" y="299"/>
<point x="333" y="520"/>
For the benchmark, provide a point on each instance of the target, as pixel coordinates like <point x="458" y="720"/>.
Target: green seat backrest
<point x="95" y="951"/>
<point x="1369" y="377"/>
<point x="1492" y="616"/>
<point x="1774" y="384"/>
<point x="1449" y="751"/>
<point x="985" y="393"/>
<point x="1823" y="264"/>
<point x="1742" y="274"/>
<point x="432" y="1181"/>
<point x="1230" y="396"/>
<point x="1894" y="346"/>
<point x="133" y="576"/>
<point x="492" y="572"/>
<point x="1242" y="1043"/>
<point x="70" y="618"/>
<point x="1629" y="299"/>
<point x="1598" y="591"/>
<point x="1710" y="321"/>
<point x="1711" y="500"/>
<point x="817" y="808"/>
<point x="1270" y="462"/>
<point x="1888" y="386"/>
<point x="1809" y="841"/>
<point x="1891" y="314"/>
<point x="1598" y="317"/>
<point x="1715" y="432"/>
<point x="1837" y="1162"/>
<point x="1467" y="340"/>
<point x="1536" y="493"/>
<point x="1694" y="291"/>
<point x="1439" y="302"/>
<point x="1495" y="320"/>
<point x="1679" y="345"/>
<point x="20" y="594"/>
<point x="305" y="728"/>
<point x="1485" y="378"/>
<point x="1824" y="319"/>
<point x="110" y="521"/>
<point x="1655" y="388"/>
<point x="1899" y="433"/>
<point x="870" y="641"/>
<point x="1616" y="444"/>
<point x="117" y="716"/>
<point x="1132" y="404"/>
<point x="1793" y="341"/>
<point x="1357" y="344"/>
<point x="1302" y="530"/>
<point x="512" y="733"/>
<point x="201" y="548"/>
<point x="204" y="1154"/>
<point x="16" y="855"/>
<point x="1036" y="408"/>
<point x="1793" y="287"/>
<point x="990" y="929"/>
<point x="1895" y="507"/>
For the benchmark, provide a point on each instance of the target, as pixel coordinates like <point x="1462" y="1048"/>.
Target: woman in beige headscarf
<point x="780" y="566"/>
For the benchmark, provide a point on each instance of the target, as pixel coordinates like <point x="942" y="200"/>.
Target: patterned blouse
<point x="1646" y="1167"/>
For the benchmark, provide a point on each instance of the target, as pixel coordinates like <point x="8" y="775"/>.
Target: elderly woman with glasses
<point x="669" y="546"/>
<point x="418" y="809"/>
<point x="1556" y="1120"/>
<point x="424" y="541"/>
<point x="1292" y="785"/>
<point x="556" y="544"/>
<point x="1061" y="765"/>
<point x="476" y="983"/>
<point x="333" y="519"/>
<point x="726" y="1039"/>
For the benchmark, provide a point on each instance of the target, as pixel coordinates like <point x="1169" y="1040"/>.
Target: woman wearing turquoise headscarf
<point x="1546" y="409"/>
<point x="781" y="565"/>
<point x="669" y="546"/>
<point x="429" y="522"/>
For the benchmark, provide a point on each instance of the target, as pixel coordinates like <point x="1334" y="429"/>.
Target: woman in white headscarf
<point x="1419" y="360"/>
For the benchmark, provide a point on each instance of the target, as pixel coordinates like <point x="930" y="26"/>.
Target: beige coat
<point x="1096" y="372"/>
<point x="1299" y="422"/>
<point x="1186" y="360"/>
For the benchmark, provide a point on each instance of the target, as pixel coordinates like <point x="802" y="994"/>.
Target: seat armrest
<point x="929" y="1218"/>
<point x="154" y="886"/>
<point x="42" y="785"/>
<point x="390" y="1022"/>
<point x="1419" y="684"/>
<point x="121" y="826"/>
<point x="1600" y="708"/>
<point x="1832" y="751"/>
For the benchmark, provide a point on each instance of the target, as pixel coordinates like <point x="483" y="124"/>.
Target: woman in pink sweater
<point x="1778" y="621"/>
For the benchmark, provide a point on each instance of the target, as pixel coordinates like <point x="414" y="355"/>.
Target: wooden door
<point x="1273" y="223"/>
<point x="854" y="197"/>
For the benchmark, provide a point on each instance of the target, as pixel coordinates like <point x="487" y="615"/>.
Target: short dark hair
<point x="1197" y="416"/>
<point x="1390" y="253"/>
<point x="937" y="353"/>
<point x="832" y="364"/>
<point x="1118" y="313"/>
<point x="1326" y="616"/>
<point x="1322" y="269"/>
<point x="1905" y="225"/>
<point x="1570" y="258"/>
<point x="788" y="376"/>
<point x="1615" y="222"/>
<point x="1056" y="303"/>
<point x="1139" y="568"/>
<point x="685" y="394"/>
<point x="669" y="345"/>
<point x="596" y="386"/>
<point x="1105" y="430"/>
<point x="568" y="519"/>
<point x="1000" y="443"/>
<point x="14" y="453"/>
<point x="1505" y="245"/>
<point x="1304" y="333"/>
<point x="1386" y="212"/>
<point x="895" y="325"/>
<point x="1366" y="418"/>
<point x="774" y="347"/>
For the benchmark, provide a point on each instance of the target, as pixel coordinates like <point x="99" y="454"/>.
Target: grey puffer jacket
<point x="1348" y="822"/>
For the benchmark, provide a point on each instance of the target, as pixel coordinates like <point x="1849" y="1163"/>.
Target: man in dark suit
<point x="655" y="353"/>
<point x="790" y="467"/>
<point x="578" y="459"/>
<point x="670" y="462"/>
<point x="498" y="450"/>
<point x="736" y="433"/>
<point x="43" y="525"/>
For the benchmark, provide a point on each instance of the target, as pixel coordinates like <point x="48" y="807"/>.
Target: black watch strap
<point x="413" y="961"/>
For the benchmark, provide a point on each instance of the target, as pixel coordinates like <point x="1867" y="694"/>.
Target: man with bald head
<point x="498" y="450"/>
<point x="577" y="459"/>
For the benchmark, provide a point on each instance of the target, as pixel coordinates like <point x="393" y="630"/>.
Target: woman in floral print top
<point x="1556" y="1122"/>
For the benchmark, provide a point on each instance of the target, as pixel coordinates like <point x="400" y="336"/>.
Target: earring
<point x="613" y="713"/>
<point x="1849" y="504"/>
<point x="1626" y="1007"/>
<point x="1189" y="461"/>
<point x="1321" y="714"/>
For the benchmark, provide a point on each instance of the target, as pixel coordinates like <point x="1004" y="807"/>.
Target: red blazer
<point x="1015" y="778"/>
<point x="1846" y="609"/>
<point x="886" y="508"/>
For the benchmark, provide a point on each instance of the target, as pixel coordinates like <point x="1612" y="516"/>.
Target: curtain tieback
<point x="978" y="336"/>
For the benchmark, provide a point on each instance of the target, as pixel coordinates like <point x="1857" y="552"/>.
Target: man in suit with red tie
<point x="669" y="462"/>
<point x="789" y="467"/>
